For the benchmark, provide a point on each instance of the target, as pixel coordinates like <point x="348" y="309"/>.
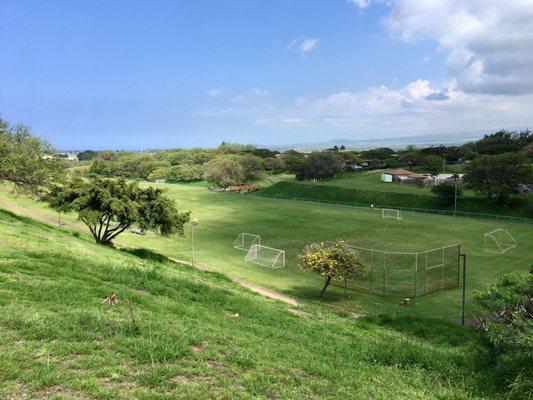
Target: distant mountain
<point x="394" y="143"/>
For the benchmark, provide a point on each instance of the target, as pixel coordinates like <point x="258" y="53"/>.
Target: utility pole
<point x="194" y="222"/>
<point x="444" y="163"/>
<point x="463" y="256"/>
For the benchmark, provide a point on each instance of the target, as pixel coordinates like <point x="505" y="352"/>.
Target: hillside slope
<point x="176" y="332"/>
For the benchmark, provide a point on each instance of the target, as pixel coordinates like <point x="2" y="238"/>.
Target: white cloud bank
<point x="488" y="43"/>
<point x="489" y="60"/>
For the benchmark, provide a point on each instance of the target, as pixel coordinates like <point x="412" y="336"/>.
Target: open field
<point x="291" y="225"/>
<point x="365" y="188"/>
<point x="177" y="332"/>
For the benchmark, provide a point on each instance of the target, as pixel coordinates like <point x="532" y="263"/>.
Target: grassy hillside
<point x="292" y="225"/>
<point x="365" y="192"/>
<point x="180" y="333"/>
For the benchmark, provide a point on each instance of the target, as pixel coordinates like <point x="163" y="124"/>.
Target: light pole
<point x="443" y="163"/>
<point x="455" y="179"/>
<point x="194" y="222"/>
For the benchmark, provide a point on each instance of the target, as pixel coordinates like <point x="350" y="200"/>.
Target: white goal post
<point x="499" y="241"/>
<point x="245" y="241"/>
<point x="266" y="256"/>
<point x="390" y="213"/>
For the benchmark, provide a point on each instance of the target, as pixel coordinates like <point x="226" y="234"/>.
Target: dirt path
<point x="249" y="285"/>
<point x="28" y="212"/>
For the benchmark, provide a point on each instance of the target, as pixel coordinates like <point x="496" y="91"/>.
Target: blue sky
<point x="131" y="74"/>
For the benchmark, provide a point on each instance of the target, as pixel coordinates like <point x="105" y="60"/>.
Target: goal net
<point x="266" y="256"/>
<point x="499" y="241"/>
<point x="390" y="213"/>
<point x="245" y="241"/>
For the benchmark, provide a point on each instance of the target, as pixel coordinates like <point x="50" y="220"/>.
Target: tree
<point x="251" y="165"/>
<point x="87" y="155"/>
<point x="446" y="193"/>
<point x="504" y="142"/>
<point x="321" y="165"/>
<point x="333" y="261"/>
<point x="381" y="153"/>
<point x="26" y="160"/>
<point x="433" y="164"/>
<point x="499" y="175"/>
<point x="412" y="158"/>
<point x="292" y="160"/>
<point x="224" y="171"/>
<point x="185" y="173"/>
<point x="110" y="206"/>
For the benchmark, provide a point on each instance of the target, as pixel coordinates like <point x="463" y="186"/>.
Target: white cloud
<point x="303" y="45"/>
<point x="214" y="92"/>
<point x="360" y="3"/>
<point x="416" y="108"/>
<point x="488" y="43"/>
<point x="250" y="96"/>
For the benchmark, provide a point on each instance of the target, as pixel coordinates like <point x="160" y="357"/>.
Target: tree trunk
<point x="326" y="284"/>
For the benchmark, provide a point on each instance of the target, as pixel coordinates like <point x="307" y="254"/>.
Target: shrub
<point x="445" y="193"/>
<point x="509" y="330"/>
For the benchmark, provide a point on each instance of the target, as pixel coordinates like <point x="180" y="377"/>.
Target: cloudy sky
<point x="123" y="74"/>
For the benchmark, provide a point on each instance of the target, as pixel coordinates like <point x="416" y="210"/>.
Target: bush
<point x="509" y="330"/>
<point x="445" y="193"/>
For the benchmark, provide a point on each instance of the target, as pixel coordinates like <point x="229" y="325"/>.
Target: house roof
<point x="404" y="172"/>
<point x="398" y="171"/>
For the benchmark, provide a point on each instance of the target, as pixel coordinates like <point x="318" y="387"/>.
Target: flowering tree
<point x="332" y="260"/>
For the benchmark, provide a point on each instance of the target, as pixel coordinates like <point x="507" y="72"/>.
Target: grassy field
<point x="290" y="226"/>
<point x="366" y="188"/>
<point x="177" y="332"/>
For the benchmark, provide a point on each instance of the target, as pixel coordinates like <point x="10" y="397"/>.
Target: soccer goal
<point x="266" y="256"/>
<point x="499" y="241"/>
<point x="245" y="241"/>
<point x="390" y="213"/>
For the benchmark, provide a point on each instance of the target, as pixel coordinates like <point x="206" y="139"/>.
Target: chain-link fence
<point x="395" y="274"/>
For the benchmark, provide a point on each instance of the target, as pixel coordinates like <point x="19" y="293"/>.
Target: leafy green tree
<point x="87" y="155"/>
<point x="321" y="165"/>
<point x="509" y="330"/>
<point x="433" y="164"/>
<point x="159" y="174"/>
<point x="446" y="193"/>
<point x="292" y="160"/>
<point x="251" y="165"/>
<point x="26" y="160"/>
<point x="381" y="153"/>
<point x="185" y="173"/>
<point x="264" y="153"/>
<point x="499" y="175"/>
<point x="333" y="261"/>
<point x="412" y="158"/>
<point x="504" y="142"/>
<point x="224" y="171"/>
<point x="276" y="164"/>
<point x="110" y="206"/>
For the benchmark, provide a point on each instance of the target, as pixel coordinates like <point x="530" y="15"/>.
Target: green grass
<point x="366" y="188"/>
<point x="197" y="335"/>
<point x="292" y="225"/>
